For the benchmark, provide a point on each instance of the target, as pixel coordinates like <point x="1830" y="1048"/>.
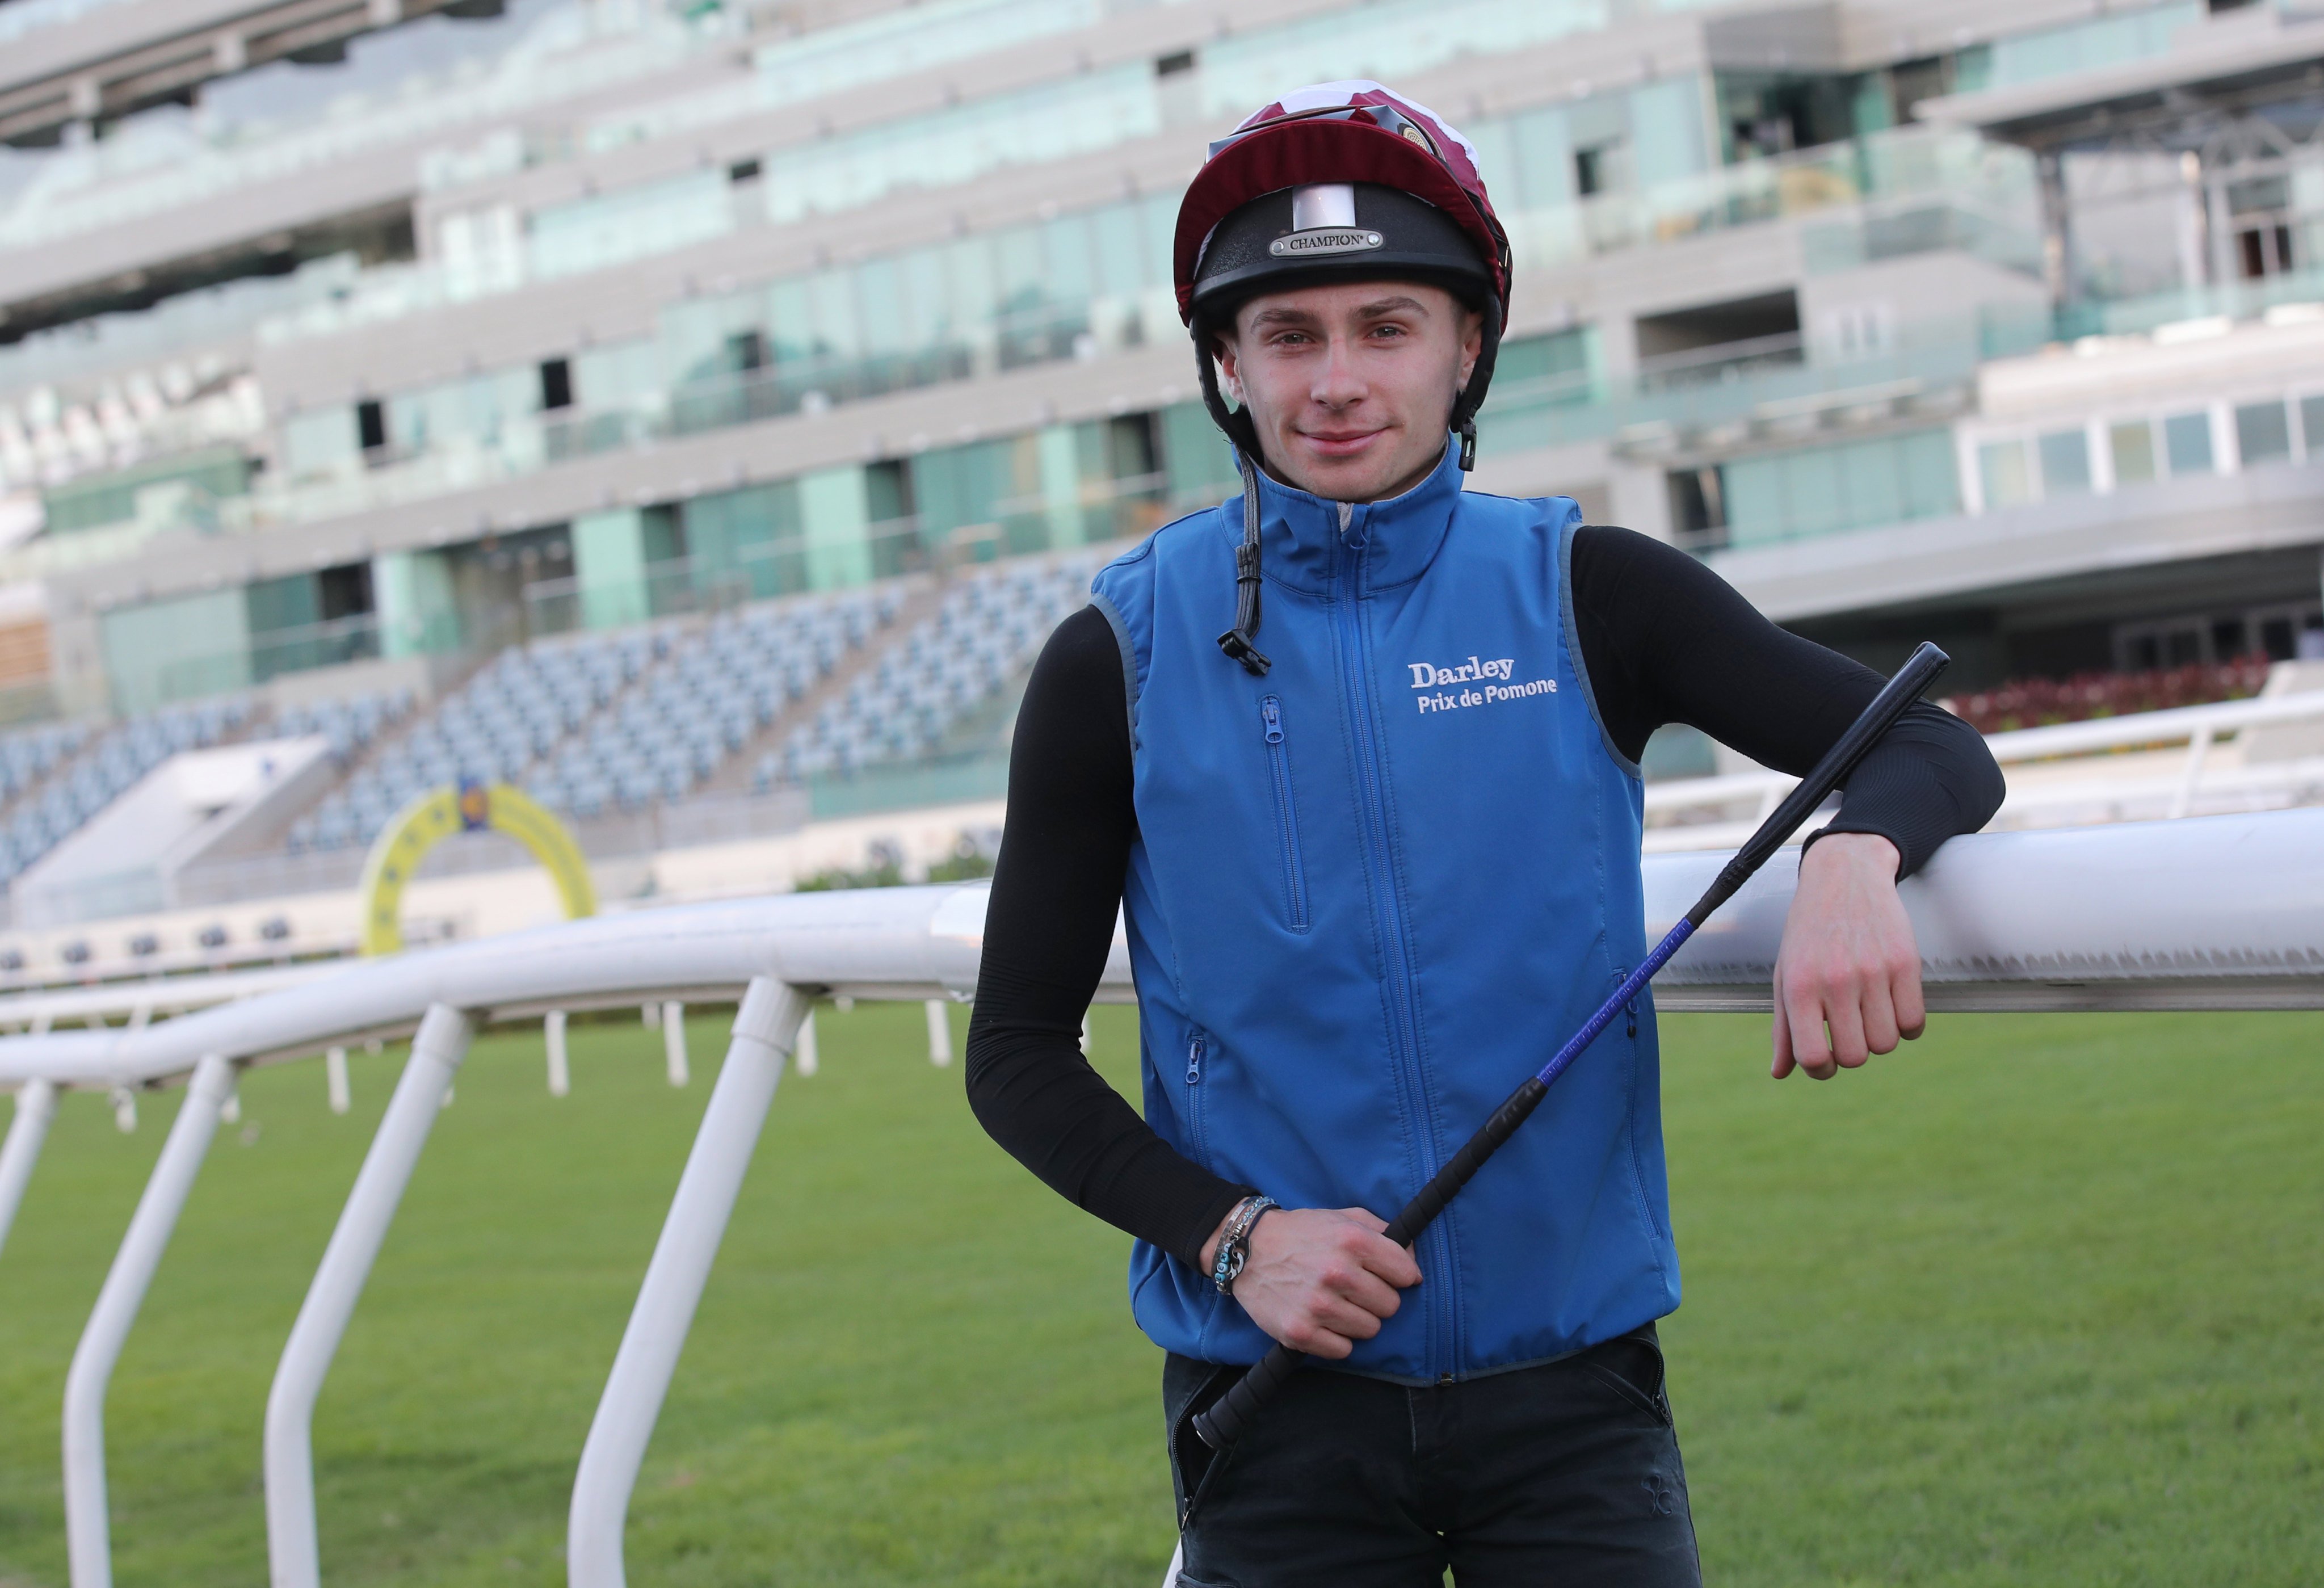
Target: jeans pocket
<point x="1631" y="1367"/>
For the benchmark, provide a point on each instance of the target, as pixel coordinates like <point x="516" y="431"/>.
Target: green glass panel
<point x="2263" y="432"/>
<point x="2065" y="462"/>
<point x="1932" y="480"/>
<point x="2187" y="443"/>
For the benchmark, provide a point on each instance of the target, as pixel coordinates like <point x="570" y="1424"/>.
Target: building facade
<point x="340" y="337"/>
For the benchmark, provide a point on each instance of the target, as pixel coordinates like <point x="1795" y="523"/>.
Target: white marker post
<point x="673" y="1042"/>
<point x="552" y="1033"/>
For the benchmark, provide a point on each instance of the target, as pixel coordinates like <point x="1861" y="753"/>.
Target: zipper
<point x="1286" y="813"/>
<point x="1197" y="1048"/>
<point x="1404" y="1024"/>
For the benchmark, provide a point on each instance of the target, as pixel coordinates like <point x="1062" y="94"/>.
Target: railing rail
<point x="2226" y="912"/>
<point x="2174" y="794"/>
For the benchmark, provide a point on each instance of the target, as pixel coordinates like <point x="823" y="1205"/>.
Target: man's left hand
<point x="1848" y="976"/>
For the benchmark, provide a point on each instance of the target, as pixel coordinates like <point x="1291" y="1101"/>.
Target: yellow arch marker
<point x="433" y="816"/>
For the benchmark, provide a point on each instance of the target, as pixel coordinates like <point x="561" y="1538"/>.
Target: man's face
<point x="1350" y="386"/>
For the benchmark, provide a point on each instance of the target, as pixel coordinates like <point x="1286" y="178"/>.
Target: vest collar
<point x="1304" y="544"/>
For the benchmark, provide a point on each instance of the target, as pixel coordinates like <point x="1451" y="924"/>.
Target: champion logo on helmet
<point x="1328" y="240"/>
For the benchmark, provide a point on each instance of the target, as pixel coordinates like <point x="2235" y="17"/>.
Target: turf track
<point x="2040" y="1302"/>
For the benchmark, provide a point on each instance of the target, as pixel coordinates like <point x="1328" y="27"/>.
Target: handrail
<point x="2224" y="912"/>
<point x="2198" y="726"/>
<point x="915" y="944"/>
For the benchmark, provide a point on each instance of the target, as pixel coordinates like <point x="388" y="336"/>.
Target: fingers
<point x="1845" y="1015"/>
<point x="1876" y="1015"/>
<point x="1805" y="1014"/>
<point x="1784" y="1063"/>
<point x="1904" y="992"/>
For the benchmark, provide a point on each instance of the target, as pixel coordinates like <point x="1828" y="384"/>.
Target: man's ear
<point x="1222" y="349"/>
<point x="1472" y="344"/>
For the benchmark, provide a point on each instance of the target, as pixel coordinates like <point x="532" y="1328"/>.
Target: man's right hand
<point x="1318" y="1279"/>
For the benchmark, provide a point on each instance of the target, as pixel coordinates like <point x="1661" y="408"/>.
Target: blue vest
<point x="1373" y="891"/>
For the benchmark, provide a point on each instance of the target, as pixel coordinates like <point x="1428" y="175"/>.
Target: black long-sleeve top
<point x="1664" y="640"/>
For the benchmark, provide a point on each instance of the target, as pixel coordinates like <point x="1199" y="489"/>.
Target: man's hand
<point x="1848" y="962"/>
<point x="1318" y="1279"/>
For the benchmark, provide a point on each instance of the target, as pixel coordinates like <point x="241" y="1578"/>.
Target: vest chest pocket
<point x="1286" y="813"/>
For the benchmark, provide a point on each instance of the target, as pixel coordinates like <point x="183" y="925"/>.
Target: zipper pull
<point x="1270" y="712"/>
<point x="1194" y="1062"/>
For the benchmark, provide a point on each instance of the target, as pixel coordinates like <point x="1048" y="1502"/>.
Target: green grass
<point x="2040" y="1302"/>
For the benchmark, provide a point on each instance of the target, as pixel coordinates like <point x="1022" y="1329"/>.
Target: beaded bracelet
<point x="1234" y="1246"/>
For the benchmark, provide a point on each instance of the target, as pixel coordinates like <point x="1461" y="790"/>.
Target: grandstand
<point x="695" y="415"/>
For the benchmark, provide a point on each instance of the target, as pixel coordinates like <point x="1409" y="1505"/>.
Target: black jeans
<point x="1564" y="1476"/>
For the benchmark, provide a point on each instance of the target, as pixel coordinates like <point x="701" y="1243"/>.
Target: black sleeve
<point x="1047" y="930"/>
<point x="1665" y="640"/>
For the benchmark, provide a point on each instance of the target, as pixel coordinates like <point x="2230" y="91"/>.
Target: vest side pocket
<point x="1198" y="1047"/>
<point x="1286" y="813"/>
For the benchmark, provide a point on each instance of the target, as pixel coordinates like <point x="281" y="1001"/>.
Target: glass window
<point x="834" y="313"/>
<point x="790" y="315"/>
<point x="2312" y="425"/>
<point x="881" y="314"/>
<point x="320" y="443"/>
<point x="1123" y="266"/>
<point x="1931" y="478"/>
<point x="925" y="305"/>
<point x="2263" y="432"/>
<point x="1872" y="479"/>
<point x="1666" y="131"/>
<point x="2134" y="452"/>
<point x="1065" y="252"/>
<point x="2003" y="469"/>
<point x="2187" y="443"/>
<point x="2065" y="464"/>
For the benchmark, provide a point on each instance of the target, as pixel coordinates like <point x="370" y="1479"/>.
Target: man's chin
<point x="1362" y="477"/>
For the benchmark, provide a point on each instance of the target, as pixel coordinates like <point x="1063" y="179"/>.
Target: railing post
<point x="36" y="1106"/>
<point x="552" y="1037"/>
<point x="88" y="1543"/>
<point x="293" y="1555"/>
<point x="2199" y="749"/>
<point x="765" y="1027"/>
<point x="673" y="1042"/>
<point x="334" y="1079"/>
<point x="939" y="1034"/>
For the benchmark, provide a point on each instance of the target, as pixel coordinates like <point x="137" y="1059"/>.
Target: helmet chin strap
<point x="1237" y="640"/>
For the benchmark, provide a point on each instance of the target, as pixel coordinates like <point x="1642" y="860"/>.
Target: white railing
<point x="2221" y="913"/>
<point x="2044" y="798"/>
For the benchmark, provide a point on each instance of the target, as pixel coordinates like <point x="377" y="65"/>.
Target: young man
<point x="1377" y="849"/>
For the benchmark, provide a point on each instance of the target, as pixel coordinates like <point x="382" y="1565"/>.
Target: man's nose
<point x="1337" y="382"/>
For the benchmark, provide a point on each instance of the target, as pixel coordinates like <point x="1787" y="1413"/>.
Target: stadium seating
<point x="55" y="777"/>
<point x="614" y="723"/>
<point x="985" y="633"/>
